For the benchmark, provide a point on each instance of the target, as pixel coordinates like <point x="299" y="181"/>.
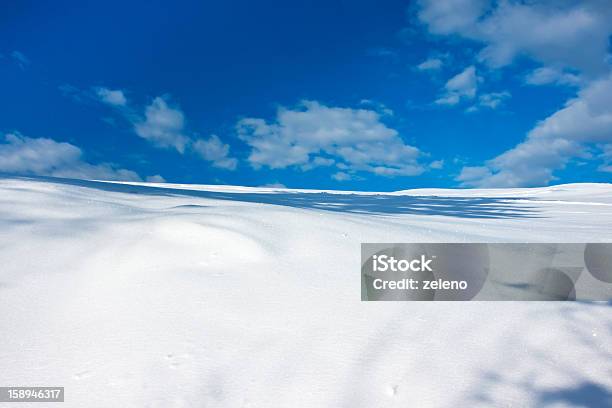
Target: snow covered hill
<point x="162" y="295"/>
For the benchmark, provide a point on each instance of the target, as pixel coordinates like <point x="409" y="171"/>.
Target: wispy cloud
<point x="274" y="185"/>
<point x="430" y="64"/>
<point x="20" y="59"/>
<point x="436" y="164"/>
<point x="377" y="106"/>
<point x="383" y="52"/>
<point x="492" y="100"/>
<point x="163" y="125"/>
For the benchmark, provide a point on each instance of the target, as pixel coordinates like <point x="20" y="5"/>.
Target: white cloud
<point x="548" y="75"/>
<point x="567" y="34"/>
<point x="215" y="151"/>
<point x="606" y="155"/>
<point x="606" y="168"/>
<point x="377" y="106"/>
<point x="448" y="99"/>
<point x="111" y="97"/>
<point x="322" y="161"/>
<point x="451" y="16"/>
<point x="553" y="142"/>
<point x="155" y="179"/>
<point x="461" y="86"/>
<point x="319" y="161"/>
<point x="271" y="146"/>
<point x="570" y="39"/>
<point x="588" y="117"/>
<point x="430" y="64"/>
<point x="274" y="185"/>
<point x="464" y="83"/>
<point x="473" y="174"/>
<point x="341" y="176"/>
<point x="355" y="138"/>
<point x="163" y="125"/>
<point x="436" y="164"/>
<point x="529" y="164"/>
<point x="491" y="100"/>
<point x="46" y="157"/>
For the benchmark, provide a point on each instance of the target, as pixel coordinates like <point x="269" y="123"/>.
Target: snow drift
<point x="161" y="295"/>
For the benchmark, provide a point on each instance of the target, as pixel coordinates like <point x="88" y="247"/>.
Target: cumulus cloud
<point x="113" y="97"/>
<point x="566" y="34"/>
<point x="309" y="135"/>
<point x="529" y="164"/>
<point x="163" y="125"/>
<point x="553" y="142"/>
<point x="47" y="157"/>
<point x="216" y="152"/>
<point x="570" y="40"/>
<point x="588" y="117"/>
<point x="461" y="86"/>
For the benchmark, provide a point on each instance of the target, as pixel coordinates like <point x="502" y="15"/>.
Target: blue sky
<point x="381" y="95"/>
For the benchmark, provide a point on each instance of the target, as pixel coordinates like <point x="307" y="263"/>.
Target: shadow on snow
<point x="375" y="204"/>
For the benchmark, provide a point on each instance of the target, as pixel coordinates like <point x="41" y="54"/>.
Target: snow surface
<point x="167" y="295"/>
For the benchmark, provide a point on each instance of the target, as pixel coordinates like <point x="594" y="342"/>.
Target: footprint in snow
<point x="175" y="361"/>
<point x="82" y="375"/>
